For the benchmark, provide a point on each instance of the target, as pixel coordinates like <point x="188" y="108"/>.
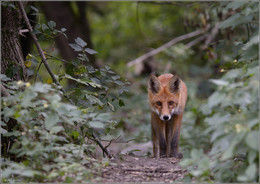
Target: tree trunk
<point x="12" y="60"/>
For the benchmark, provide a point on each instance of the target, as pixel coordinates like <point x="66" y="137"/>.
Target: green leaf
<point x="115" y="77"/>
<point x="80" y="42"/>
<point x="219" y="82"/>
<point x="63" y="29"/>
<point x="42" y="88"/>
<point x="28" y="96"/>
<point x="51" y="120"/>
<point x="235" y="4"/>
<point x="93" y="99"/>
<point x="217" y="119"/>
<point x="232" y="74"/>
<point x="36" y="31"/>
<point x="3" y="131"/>
<point x="90" y="51"/>
<point x="97" y="124"/>
<point x="56" y="129"/>
<point x="44" y="27"/>
<point x="75" y="47"/>
<point x="251" y="171"/>
<point x="75" y="134"/>
<point x="34" y="9"/>
<point x="242" y="178"/>
<point x="87" y="83"/>
<point x="120" y="83"/>
<point x="251" y="156"/>
<point x="250" y="50"/>
<point x="235" y="141"/>
<point x="107" y="67"/>
<point x="252" y="140"/>
<point x="4" y="78"/>
<point x="121" y="103"/>
<point x="52" y="24"/>
<point x="235" y="20"/>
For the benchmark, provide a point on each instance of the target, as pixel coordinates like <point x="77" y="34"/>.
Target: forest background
<point x="87" y="85"/>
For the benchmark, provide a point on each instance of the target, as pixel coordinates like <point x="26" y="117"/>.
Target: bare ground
<point x="142" y="169"/>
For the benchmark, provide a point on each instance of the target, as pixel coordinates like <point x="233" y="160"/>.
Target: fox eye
<point x="158" y="103"/>
<point x="170" y="102"/>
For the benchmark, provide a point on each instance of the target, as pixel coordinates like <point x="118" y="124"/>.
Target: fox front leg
<point x="163" y="145"/>
<point x="156" y="146"/>
<point x="168" y="132"/>
<point x="175" y="137"/>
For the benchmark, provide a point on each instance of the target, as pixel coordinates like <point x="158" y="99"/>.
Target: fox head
<point x="163" y="94"/>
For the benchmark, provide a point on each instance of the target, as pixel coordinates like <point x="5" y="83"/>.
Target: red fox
<point x="167" y="98"/>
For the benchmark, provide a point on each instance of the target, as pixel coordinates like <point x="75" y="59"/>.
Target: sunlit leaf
<point x="75" y="47"/>
<point x="80" y="42"/>
<point x="90" y="51"/>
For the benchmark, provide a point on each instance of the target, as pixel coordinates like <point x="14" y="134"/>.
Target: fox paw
<point x="177" y="155"/>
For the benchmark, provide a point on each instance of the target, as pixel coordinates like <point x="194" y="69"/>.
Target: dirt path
<point x="142" y="169"/>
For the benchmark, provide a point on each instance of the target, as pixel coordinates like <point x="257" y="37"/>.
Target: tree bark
<point x="12" y="60"/>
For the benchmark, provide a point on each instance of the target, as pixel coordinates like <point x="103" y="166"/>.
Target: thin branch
<point x="211" y="36"/>
<point x="112" y="140"/>
<point x="35" y="40"/>
<point x="101" y="146"/>
<point x="23" y="31"/>
<point x="37" y="71"/>
<point x="195" y="41"/>
<point x="37" y="44"/>
<point x="56" y="58"/>
<point x="165" y="46"/>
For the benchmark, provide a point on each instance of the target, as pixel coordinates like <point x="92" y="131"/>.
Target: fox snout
<point x="165" y="117"/>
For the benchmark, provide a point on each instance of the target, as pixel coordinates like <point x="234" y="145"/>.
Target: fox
<point x="167" y="96"/>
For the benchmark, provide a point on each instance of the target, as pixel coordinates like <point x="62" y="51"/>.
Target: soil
<point x="142" y="169"/>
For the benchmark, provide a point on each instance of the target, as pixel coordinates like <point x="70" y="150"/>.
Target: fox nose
<point x="165" y="117"/>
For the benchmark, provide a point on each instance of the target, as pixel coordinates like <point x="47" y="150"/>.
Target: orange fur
<point x="167" y="96"/>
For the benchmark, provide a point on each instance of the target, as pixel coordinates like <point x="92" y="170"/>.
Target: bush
<point x="230" y="115"/>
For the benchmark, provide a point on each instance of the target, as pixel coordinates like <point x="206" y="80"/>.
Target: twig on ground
<point x="101" y="146"/>
<point x="150" y="170"/>
<point x="165" y="46"/>
<point x="136" y="139"/>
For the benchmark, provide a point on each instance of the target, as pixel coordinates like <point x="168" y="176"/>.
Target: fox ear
<point x="154" y="84"/>
<point x="174" y="84"/>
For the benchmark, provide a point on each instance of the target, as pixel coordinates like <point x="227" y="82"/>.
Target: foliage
<point x="94" y="87"/>
<point x="220" y="124"/>
<point x="50" y="137"/>
<point x="47" y="31"/>
<point x="231" y="114"/>
<point x="44" y="137"/>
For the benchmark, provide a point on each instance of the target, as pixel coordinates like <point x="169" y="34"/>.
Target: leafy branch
<point x="37" y="44"/>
